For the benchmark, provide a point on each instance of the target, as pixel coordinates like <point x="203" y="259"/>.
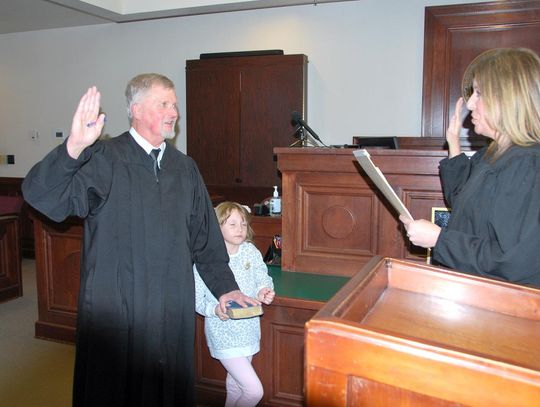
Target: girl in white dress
<point x="235" y="341"/>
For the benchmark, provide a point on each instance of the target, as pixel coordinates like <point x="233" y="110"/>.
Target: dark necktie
<point x="155" y="154"/>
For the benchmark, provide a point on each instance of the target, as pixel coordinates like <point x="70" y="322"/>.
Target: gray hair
<point x="137" y="87"/>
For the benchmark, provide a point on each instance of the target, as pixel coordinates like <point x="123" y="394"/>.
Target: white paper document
<point x="380" y="181"/>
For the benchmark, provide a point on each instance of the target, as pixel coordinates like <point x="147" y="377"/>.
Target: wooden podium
<point x="404" y="334"/>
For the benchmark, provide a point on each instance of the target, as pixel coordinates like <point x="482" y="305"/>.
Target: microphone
<point x="298" y="121"/>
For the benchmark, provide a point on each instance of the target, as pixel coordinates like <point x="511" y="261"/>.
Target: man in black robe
<point x="147" y="221"/>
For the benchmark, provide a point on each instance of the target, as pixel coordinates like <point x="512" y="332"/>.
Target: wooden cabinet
<point x="10" y="259"/>
<point x="264" y="229"/>
<point x="58" y="261"/>
<point x="238" y="110"/>
<point x="403" y="334"/>
<point x="334" y="219"/>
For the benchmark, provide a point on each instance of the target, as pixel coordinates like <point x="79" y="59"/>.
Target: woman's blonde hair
<point x="509" y="82"/>
<point x="224" y="210"/>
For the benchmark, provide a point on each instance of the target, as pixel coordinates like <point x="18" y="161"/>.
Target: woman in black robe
<point x="146" y="222"/>
<point x="494" y="227"/>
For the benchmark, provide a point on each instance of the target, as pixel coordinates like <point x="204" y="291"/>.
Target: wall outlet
<point x="7" y="159"/>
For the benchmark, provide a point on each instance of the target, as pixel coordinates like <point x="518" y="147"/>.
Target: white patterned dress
<point x="234" y="337"/>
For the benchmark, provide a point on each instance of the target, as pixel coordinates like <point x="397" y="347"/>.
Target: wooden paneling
<point x="58" y="253"/>
<point x="10" y="259"/>
<point x="264" y="229"/>
<point x="334" y="219"/>
<point x="454" y="36"/>
<point x="213" y="122"/>
<point x="404" y="334"/>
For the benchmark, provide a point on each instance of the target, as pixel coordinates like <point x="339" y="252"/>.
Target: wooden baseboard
<point x="53" y="332"/>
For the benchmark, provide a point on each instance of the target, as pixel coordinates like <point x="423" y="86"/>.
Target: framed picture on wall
<point x="439" y="216"/>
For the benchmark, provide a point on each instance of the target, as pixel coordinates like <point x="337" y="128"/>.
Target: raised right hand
<point x="87" y="123"/>
<point x="454" y="130"/>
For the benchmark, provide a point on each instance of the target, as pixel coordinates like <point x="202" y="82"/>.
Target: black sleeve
<point x="207" y="245"/>
<point x="454" y="173"/>
<point x="60" y="186"/>
<point x="510" y="248"/>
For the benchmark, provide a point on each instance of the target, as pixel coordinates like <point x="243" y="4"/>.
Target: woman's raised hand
<point x="454" y="130"/>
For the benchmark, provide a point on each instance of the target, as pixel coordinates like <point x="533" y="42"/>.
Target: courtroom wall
<point x="364" y="71"/>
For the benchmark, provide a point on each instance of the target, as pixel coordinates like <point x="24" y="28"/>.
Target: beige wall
<point x="365" y="68"/>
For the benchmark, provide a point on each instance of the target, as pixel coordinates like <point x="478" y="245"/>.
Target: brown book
<point x="236" y="311"/>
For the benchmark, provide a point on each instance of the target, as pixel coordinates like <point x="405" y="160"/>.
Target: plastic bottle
<point x="275" y="203"/>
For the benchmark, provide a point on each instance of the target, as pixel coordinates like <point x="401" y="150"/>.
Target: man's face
<point x="155" y="115"/>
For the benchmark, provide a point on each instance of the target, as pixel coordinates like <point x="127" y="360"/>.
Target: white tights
<point x="244" y="389"/>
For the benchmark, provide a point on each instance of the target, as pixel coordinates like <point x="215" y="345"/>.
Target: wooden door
<point x="270" y="93"/>
<point x="238" y="110"/>
<point x="213" y="123"/>
<point x="454" y="36"/>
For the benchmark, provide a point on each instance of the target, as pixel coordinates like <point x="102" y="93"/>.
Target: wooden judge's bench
<point x="334" y="219"/>
<point x="400" y="332"/>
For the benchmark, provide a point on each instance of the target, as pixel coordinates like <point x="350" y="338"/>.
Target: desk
<point x="305" y="286"/>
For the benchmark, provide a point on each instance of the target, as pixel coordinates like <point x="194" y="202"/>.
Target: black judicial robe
<point x="494" y="228"/>
<point x="136" y="316"/>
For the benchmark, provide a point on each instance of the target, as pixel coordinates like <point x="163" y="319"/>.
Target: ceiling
<point x="32" y="15"/>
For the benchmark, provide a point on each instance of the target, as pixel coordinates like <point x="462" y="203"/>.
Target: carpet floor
<point x="33" y="372"/>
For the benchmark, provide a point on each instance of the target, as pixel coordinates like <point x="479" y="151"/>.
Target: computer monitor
<point x="381" y="142"/>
